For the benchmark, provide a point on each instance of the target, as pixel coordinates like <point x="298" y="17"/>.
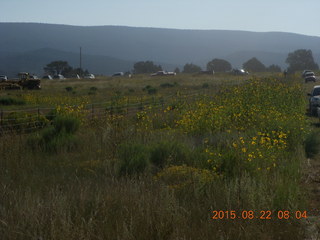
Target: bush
<point x="205" y="85"/>
<point x="11" y="101"/>
<point x="152" y="91"/>
<point x="59" y="136"/>
<point x="93" y="89"/>
<point x="146" y="88"/>
<point x="167" y="85"/>
<point x="69" y="89"/>
<point x="68" y="124"/>
<point x="168" y="153"/>
<point x="133" y="159"/>
<point x="312" y="144"/>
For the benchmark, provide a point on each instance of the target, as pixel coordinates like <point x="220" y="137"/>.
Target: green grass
<point x="144" y="176"/>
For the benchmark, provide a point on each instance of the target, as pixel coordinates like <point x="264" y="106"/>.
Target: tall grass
<point x="131" y="177"/>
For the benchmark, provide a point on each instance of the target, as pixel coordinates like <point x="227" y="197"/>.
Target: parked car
<point x="118" y="74"/>
<point x="3" y="78"/>
<point x="34" y="77"/>
<point x="305" y="72"/>
<point x="47" y="77"/>
<point x="314" y="100"/>
<point x="89" y="76"/>
<point x="240" y="72"/>
<point x="163" y="73"/>
<point x="309" y="77"/>
<point x="58" y="76"/>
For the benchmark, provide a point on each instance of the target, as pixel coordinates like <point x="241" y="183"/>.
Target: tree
<point x="273" y="68"/>
<point x="177" y="70"/>
<point x="57" y="67"/>
<point x="219" y="65"/>
<point x="191" y="68"/>
<point x="146" y="67"/>
<point x="254" y="65"/>
<point x="300" y="60"/>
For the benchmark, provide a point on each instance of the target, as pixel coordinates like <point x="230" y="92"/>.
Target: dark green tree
<point x="300" y="60"/>
<point x="146" y="67"/>
<point x="219" y="65"/>
<point x="191" y="68"/>
<point x="177" y="70"/>
<point x="254" y="65"/>
<point x="274" y="68"/>
<point x="57" y="67"/>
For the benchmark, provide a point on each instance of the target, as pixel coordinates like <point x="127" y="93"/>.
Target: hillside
<point x="115" y="48"/>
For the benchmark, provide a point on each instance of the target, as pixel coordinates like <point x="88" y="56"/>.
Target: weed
<point x="133" y="159"/>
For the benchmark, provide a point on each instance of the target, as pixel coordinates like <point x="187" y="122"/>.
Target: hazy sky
<point x="298" y="16"/>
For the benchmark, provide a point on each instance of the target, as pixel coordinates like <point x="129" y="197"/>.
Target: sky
<point x="297" y="16"/>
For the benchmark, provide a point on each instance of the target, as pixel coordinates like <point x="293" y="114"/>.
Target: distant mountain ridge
<point x="115" y="48"/>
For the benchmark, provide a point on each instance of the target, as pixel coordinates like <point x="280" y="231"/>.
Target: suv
<point x="89" y="76"/>
<point x="305" y="72"/>
<point x="314" y="100"/>
<point x="309" y="77"/>
<point x="3" y="78"/>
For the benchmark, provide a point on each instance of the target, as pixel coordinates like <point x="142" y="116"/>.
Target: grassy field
<point x="185" y="157"/>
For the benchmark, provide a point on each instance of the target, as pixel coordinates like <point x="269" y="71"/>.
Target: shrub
<point x="69" y="89"/>
<point x="68" y="124"/>
<point x="152" y="91"/>
<point x="93" y="89"/>
<point x="205" y="85"/>
<point x="312" y="144"/>
<point x="167" y="153"/>
<point x="11" y="101"/>
<point x="146" y="88"/>
<point x="167" y="85"/>
<point x="133" y="159"/>
<point x="59" y="136"/>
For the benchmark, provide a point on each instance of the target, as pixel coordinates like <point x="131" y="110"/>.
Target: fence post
<point x="92" y="111"/>
<point x="127" y="105"/>
<point x="1" y="117"/>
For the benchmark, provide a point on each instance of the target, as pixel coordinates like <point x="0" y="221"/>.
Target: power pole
<point x="80" y="58"/>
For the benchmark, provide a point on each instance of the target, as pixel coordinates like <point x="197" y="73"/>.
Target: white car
<point x="3" y="78"/>
<point x="89" y="76"/>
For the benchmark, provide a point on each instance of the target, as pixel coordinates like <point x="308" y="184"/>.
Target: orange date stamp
<point x="263" y="215"/>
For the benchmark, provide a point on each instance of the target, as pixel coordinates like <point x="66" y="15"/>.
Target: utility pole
<point x="80" y="58"/>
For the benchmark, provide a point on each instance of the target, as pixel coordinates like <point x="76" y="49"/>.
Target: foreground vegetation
<point x="159" y="171"/>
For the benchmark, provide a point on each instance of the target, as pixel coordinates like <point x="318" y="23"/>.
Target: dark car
<point x="239" y="72"/>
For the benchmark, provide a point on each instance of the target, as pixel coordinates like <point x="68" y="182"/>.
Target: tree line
<point x="63" y="68"/>
<point x="298" y="60"/>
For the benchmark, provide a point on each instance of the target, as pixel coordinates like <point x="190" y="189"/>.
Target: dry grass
<point x="79" y="194"/>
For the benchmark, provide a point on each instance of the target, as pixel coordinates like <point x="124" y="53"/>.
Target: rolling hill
<point x="106" y="49"/>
